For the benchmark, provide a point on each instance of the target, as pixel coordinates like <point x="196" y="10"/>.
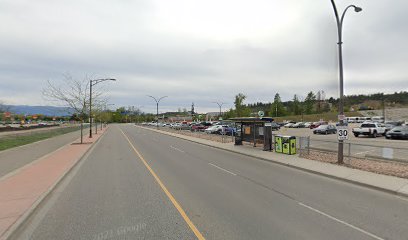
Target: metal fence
<point x="354" y="150"/>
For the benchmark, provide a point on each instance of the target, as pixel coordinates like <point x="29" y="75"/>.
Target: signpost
<point x="342" y="133"/>
<point x="261" y="113"/>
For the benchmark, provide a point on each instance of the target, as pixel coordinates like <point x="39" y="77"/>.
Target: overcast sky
<point x="201" y="51"/>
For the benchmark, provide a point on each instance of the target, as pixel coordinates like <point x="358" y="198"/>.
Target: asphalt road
<point x="112" y="194"/>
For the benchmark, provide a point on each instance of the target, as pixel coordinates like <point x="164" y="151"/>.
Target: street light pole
<point x="339" y="22"/>
<point x="157" y="109"/>
<point x="91" y="84"/>
<point x="219" y="105"/>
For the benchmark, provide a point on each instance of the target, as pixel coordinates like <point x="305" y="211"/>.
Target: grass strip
<point x="19" y="140"/>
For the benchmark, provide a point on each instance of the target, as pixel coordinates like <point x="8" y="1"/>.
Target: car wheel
<point x="326" y="132"/>
<point x="355" y="134"/>
<point x="374" y="134"/>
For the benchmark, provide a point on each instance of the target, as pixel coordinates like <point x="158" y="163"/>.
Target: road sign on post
<point x="342" y="133"/>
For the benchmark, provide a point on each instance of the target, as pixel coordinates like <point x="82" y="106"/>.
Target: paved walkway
<point x="386" y="183"/>
<point x="20" y="193"/>
<point x="17" y="157"/>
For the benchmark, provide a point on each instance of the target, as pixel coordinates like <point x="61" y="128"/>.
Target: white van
<point x="379" y="119"/>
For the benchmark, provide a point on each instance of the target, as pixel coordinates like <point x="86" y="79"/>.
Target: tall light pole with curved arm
<point x="339" y="21"/>
<point x="219" y="105"/>
<point x="91" y="84"/>
<point x="157" y="108"/>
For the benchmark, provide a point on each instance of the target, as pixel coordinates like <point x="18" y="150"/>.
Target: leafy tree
<point x="309" y="102"/>
<point x="240" y="109"/>
<point x="296" y="105"/>
<point x="277" y="108"/>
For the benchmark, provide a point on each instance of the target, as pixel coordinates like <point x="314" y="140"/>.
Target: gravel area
<point x="377" y="166"/>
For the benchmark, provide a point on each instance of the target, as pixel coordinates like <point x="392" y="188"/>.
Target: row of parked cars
<point x="391" y="130"/>
<point x="207" y="127"/>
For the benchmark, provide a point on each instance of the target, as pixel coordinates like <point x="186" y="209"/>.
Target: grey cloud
<point x="119" y="39"/>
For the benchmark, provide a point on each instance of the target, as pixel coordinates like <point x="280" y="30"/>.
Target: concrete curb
<point x="398" y="192"/>
<point x="17" y="225"/>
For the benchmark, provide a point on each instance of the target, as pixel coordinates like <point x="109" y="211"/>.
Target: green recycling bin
<point x="289" y="145"/>
<point x="278" y="143"/>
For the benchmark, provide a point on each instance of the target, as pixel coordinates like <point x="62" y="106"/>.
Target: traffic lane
<point x="112" y="196"/>
<point x="15" y="158"/>
<point x="369" y="209"/>
<point x="224" y="205"/>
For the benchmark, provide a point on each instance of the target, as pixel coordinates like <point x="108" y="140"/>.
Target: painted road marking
<point x="167" y="192"/>
<point x="176" y="149"/>
<point x="340" y="221"/>
<point x="225" y="170"/>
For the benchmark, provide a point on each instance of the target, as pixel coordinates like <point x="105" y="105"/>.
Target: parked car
<point x="307" y="124"/>
<point x="371" y="129"/>
<point x="275" y="126"/>
<point x="228" y="130"/>
<point x="213" y="129"/>
<point x="316" y="124"/>
<point x="325" y="129"/>
<point x="299" y="125"/>
<point x="400" y="132"/>
<point x="198" y="127"/>
<point x="288" y="125"/>
<point x="389" y="126"/>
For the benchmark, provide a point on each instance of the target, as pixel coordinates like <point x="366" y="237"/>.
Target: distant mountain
<point x="44" y="110"/>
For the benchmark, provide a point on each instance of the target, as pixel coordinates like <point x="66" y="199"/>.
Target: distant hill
<point x="44" y="110"/>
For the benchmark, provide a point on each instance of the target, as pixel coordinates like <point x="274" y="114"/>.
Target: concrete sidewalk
<point x="20" y="193"/>
<point x="386" y="183"/>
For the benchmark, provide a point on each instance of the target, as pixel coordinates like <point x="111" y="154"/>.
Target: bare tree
<point x="73" y="93"/>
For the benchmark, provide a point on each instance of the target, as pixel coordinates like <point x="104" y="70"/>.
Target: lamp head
<point x="357" y="9"/>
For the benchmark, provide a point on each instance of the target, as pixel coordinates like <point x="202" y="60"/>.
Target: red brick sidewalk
<point x="20" y="193"/>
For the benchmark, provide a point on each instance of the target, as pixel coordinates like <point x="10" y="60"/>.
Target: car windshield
<point x="368" y="125"/>
<point x="401" y="128"/>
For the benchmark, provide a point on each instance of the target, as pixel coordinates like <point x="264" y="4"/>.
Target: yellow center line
<point x="167" y="192"/>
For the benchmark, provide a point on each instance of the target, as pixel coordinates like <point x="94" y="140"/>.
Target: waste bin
<point x="278" y="143"/>
<point x="289" y="145"/>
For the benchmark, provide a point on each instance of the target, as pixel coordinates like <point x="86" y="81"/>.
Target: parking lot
<point x="362" y="146"/>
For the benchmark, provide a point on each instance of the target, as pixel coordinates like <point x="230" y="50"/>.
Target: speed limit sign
<point x="342" y="133"/>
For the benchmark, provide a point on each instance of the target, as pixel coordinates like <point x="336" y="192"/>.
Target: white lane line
<point x="177" y="149"/>
<point x="222" y="169"/>
<point x="341" y="221"/>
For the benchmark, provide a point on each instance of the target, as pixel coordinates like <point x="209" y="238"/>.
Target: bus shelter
<point x="254" y="130"/>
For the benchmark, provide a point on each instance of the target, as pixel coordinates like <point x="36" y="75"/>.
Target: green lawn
<point x="19" y="140"/>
